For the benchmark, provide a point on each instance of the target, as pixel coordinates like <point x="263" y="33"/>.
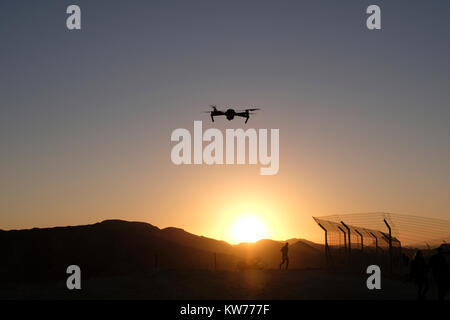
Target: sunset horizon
<point x="325" y="122"/>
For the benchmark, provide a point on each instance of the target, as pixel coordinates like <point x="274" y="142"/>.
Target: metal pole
<point x="362" y="241"/>
<point x="345" y="237"/>
<point x="326" y="241"/>
<point x="390" y="243"/>
<point x="376" y="242"/>
<point x="349" y="240"/>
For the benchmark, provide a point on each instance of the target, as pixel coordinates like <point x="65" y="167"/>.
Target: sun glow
<point x="248" y="228"/>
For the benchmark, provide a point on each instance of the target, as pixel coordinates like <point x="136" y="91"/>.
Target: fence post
<point x="349" y="240"/>
<point x="215" y="261"/>
<point x="345" y="238"/>
<point x="326" y="243"/>
<point x="376" y="242"/>
<point x="390" y="243"/>
<point x="362" y="241"/>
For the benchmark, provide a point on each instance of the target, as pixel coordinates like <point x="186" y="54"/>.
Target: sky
<point x="86" y="116"/>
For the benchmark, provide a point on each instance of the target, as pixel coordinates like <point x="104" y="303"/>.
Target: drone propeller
<point x="247" y="110"/>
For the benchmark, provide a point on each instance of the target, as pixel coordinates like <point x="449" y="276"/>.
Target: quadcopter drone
<point x="231" y="113"/>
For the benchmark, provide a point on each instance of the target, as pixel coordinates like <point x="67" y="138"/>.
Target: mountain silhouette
<point x="116" y="247"/>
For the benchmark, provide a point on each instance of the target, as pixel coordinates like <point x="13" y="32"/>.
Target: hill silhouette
<point x="116" y="247"/>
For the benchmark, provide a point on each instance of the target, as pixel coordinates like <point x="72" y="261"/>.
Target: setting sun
<point x="248" y="228"/>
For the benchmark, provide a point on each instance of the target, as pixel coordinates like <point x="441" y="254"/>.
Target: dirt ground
<point x="204" y="284"/>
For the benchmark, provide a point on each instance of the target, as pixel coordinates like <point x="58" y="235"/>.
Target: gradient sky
<point x="86" y="116"/>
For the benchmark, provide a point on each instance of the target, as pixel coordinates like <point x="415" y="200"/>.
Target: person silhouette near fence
<point x="419" y="274"/>
<point x="284" y="255"/>
<point x="439" y="269"/>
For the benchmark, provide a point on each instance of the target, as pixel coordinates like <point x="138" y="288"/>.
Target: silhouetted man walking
<point x="284" y="253"/>
<point x="439" y="268"/>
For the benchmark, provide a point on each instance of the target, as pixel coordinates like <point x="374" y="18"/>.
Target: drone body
<point x="231" y="113"/>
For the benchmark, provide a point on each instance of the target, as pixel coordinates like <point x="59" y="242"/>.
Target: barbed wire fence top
<point x="406" y="230"/>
